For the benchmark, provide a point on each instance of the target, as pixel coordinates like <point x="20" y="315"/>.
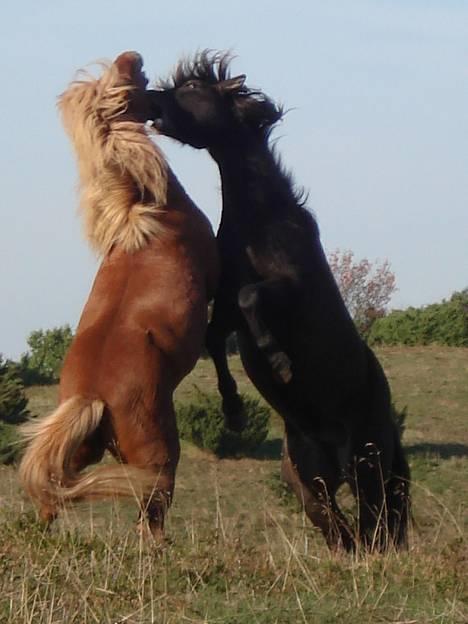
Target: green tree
<point x="366" y="287"/>
<point x="47" y="349"/>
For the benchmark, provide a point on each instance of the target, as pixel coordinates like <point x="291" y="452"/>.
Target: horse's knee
<point x="248" y="297"/>
<point x="249" y="300"/>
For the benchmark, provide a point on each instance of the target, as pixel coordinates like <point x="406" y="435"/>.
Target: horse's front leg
<point x="223" y="323"/>
<point x="252" y="298"/>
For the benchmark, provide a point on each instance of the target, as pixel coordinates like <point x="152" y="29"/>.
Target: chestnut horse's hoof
<point x="47" y="514"/>
<point x="152" y="536"/>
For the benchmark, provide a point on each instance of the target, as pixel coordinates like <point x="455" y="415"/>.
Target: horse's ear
<point x="129" y="63"/>
<point x="232" y="84"/>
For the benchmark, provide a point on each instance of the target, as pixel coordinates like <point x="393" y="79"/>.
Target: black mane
<point x="298" y="192"/>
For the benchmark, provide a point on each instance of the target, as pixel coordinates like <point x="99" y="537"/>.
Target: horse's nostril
<point x="158" y="124"/>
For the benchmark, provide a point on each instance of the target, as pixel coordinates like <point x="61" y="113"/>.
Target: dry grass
<point x="237" y="551"/>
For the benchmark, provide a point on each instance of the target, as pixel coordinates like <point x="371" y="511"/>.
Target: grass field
<point x="239" y="551"/>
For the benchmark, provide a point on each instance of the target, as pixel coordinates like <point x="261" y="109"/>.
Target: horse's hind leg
<point x="314" y="481"/>
<point x="381" y="485"/>
<point x="368" y="486"/>
<point x="397" y="493"/>
<point x="380" y="479"/>
<point x="152" y="442"/>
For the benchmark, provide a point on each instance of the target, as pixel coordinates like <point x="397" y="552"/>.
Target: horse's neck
<point x="253" y="185"/>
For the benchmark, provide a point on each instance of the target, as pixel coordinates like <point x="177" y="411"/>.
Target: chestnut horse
<point x="144" y="324"/>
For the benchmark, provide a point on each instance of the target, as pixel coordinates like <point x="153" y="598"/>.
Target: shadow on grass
<point x="445" y="451"/>
<point x="270" y="449"/>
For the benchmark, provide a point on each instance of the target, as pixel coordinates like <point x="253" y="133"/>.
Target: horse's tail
<point x="397" y="499"/>
<point x="47" y="471"/>
<point x="397" y="495"/>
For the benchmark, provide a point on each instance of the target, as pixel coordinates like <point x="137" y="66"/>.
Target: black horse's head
<point x="202" y="105"/>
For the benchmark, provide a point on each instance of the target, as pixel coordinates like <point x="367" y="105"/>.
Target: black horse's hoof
<point x="234" y="414"/>
<point x="281" y="366"/>
<point x="342" y="540"/>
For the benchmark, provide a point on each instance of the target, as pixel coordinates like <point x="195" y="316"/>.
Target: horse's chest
<point x="245" y="257"/>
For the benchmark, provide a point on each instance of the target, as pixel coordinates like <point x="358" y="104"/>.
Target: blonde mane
<point x="123" y="174"/>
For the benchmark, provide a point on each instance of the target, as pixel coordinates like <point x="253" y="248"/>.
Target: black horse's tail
<point x="397" y="495"/>
<point x="396" y="484"/>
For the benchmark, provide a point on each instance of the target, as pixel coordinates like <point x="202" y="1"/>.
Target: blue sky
<point x="377" y="132"/>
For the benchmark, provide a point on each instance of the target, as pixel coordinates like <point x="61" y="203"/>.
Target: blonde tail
<point x="46" y="470"/>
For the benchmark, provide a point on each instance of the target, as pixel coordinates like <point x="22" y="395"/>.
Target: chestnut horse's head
<point x="123" y="174"/>
<point x="128" y="66"/>
<point x="202" y="105"/>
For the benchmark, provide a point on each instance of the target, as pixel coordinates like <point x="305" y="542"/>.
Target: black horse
<point x="297" y="341"/>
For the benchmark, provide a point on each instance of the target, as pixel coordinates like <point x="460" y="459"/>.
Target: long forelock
<point x="123" y="174"/>
<point x="208" y="66"/>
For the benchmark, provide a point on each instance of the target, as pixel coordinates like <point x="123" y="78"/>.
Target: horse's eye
<point x="190" y="84"/>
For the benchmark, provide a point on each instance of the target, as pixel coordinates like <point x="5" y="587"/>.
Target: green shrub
<point x="9" y="443"/>
<point x="13" y="410"/>
<point x="13" y="402"/>
<point x="443" y="323"/>
<point x="202" y="423"/>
